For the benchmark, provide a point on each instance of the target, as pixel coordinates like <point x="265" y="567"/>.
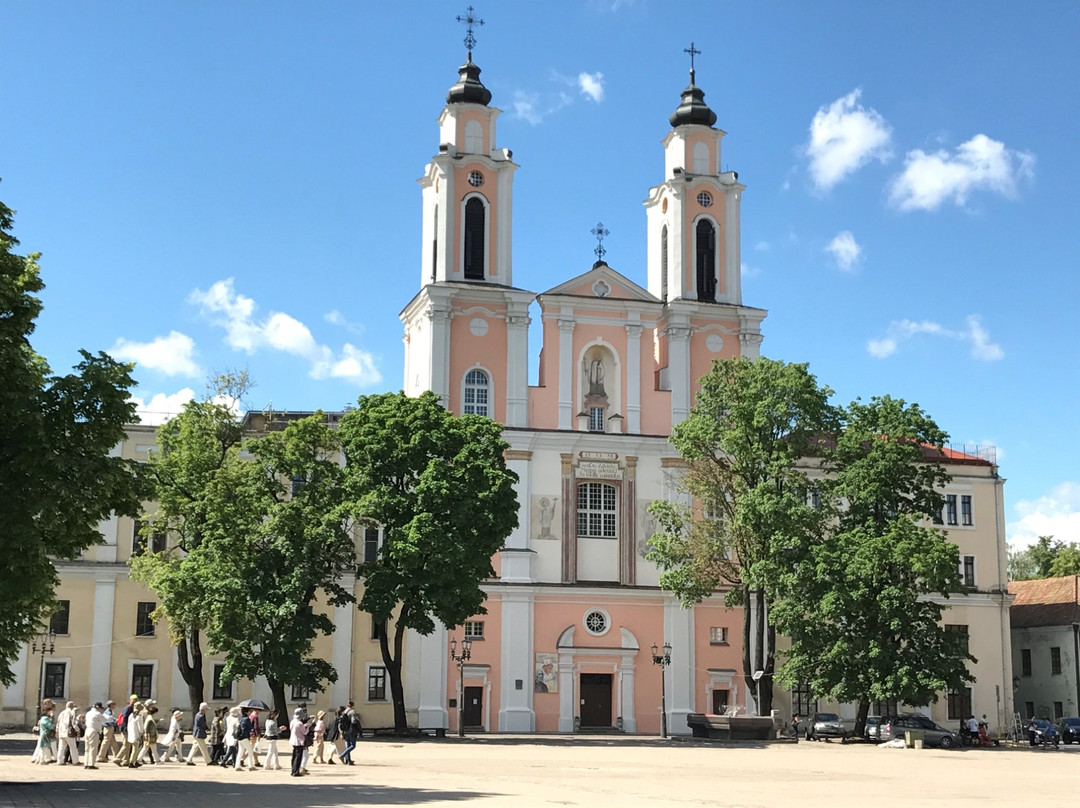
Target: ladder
<point x="1016" y="730"/>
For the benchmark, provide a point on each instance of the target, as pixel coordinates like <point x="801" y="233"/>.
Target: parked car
<point x="1070" y="730"/>
<point x="873" y="728"/>
<point x="825" y="725"/>
<point x="933" y="734"/>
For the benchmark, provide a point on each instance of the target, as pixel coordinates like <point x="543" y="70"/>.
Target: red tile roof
<point x="1045" y="602"/>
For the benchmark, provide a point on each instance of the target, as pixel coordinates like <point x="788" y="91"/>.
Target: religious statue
<point x="547" y="513"/>
<point x="595" y="373"/>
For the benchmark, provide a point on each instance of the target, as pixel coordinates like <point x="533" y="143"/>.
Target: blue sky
<point x="220" y="185"/>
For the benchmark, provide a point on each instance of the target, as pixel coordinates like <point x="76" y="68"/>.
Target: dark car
<point x="825" y="725"/>
<point x="1070" y="730"/>
<point x="933" y="734"/>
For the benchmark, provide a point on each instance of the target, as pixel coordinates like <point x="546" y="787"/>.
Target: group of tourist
<point x="228" y="736"/>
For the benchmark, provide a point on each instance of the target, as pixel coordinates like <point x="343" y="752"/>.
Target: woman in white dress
<point x="232" y="721"/>
<point x="174" y="739"/>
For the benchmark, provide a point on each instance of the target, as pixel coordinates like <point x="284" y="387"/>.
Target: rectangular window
<point x="58" y="623"/>
<point x="962" y="634"/>
<point x="55" y="679"/>
<point x="950" y="509"/>
<point x="885" y="708"/>
<point x="376" y="629"/>
<point x="1025" y="662"/>
<point x="144" y="625"/>
<point x="718" y="635"/>
<point x="474" y="629"/>
<point x="376" y="683"/>
<point x="596" y="511"/>
<point x="300" y="693"/>
<point x="815" y="498"/>
<point x="223" y="691"/>
<point x="1029" y="709"/>
<point x="1055" y="661"/>
<point x="142" y="680"/>
<point x="966" y="516"/>
<point x="596" y="419"/>
<point x="1059" y="712"/>
<point x="967" y="572"/>
<point x="371" y="544"/>
<point x="802" y="701"/>
<point x="960" y="704"/>
<point x="158" y="541"/>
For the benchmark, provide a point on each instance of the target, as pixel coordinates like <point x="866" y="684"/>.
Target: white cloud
<point x="977" y="337"/>
<point x="1055" y="514"/>
<point x="747" y="271"/>
<point x="844" y="137"/>
<point x="845" y="250"/>
<point x="161" y="407"/>
<point x="591" y="85"/>
<point x="763" y="246"/>
<point x="533" y="107"/>
<point x="235" y="312"/>
<point x="980" y="164"/>
<point x="172" y="355"/>
<point x="335" y="317"/>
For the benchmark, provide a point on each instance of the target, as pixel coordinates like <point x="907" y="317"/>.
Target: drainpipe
<point x="1003" y="589"/>
<point x="1076" y="640"/>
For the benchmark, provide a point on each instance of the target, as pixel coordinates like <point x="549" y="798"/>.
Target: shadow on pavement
<point x="185" y="794"/>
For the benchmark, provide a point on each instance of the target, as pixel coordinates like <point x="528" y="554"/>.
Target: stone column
<point x="628" y="528"/>
<point x="569" y="516"/>
<point x="517" y="554"/>
<point x="633" y="378"/>
<point x="439" y="316"/>
<point x="517" y="365"/>
<point x="679" y="631"/>
<point x="341" y="653"/>
<point x="567" y="696"/>
<point x="425" y="673"/>
<point x="566" y="373"/>
<point x="102" y="637"/>
<point x="516" y="668"/>
<point x="679" y="371"/>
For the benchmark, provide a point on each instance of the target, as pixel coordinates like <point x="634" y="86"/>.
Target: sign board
<point x="608" y="456"/>
<point x="595" y="470"/>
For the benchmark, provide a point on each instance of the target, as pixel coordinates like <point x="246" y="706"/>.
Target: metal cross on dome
<point x="693" y="52"/>
<point x="601" y="233"/>
<point x="470" y="20"/>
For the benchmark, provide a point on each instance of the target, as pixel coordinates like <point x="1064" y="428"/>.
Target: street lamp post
<point x="663" y="661"/>
<point x="44" y="643"/>
<point x="461" y="659"/>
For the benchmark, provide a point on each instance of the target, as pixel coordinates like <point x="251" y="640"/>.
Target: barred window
<point x="596" y="512"/>
<point x="474" y="629"/>
<point x="376" y="689"/>
<point x="144" y="623"/>
<point x="596" y="419"/>
<point x="142" y="680"/>
<point x="476" y="393"/>
<point x="55" y="676"/>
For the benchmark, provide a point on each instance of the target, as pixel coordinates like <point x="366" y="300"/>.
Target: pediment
<point x="602" y="282"/>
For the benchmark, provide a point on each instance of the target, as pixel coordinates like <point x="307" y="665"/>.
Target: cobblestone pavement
<point x="621" y="772"/>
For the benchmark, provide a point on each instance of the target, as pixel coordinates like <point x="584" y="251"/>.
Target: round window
<point x="596" y="622"/>
<point x="704" y="199"/>
<point x="476" y="179"/>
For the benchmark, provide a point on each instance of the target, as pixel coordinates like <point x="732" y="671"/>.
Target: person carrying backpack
<point x="350" y="730"/>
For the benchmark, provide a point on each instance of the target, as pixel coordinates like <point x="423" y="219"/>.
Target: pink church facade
<point x="575" y="607"/>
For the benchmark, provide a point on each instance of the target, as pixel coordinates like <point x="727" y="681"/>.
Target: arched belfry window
<point x="474" y="239"/>
<point x="706" y="260"/>
<point x="477" y="394"/>
<point x="663" y="263"/>
<point x="474" y="137"/>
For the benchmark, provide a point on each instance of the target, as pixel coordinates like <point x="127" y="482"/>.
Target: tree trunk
<point x="759" y="639"/>
<point x="189" y="662"/>
<point x="393" y="673"/>
<point x="860" y="719"/>
<point x="277" y="690"/>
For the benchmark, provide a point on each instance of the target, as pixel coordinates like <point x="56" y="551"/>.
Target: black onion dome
<point x="469" y="89"/>
<point x="692" y="109"/>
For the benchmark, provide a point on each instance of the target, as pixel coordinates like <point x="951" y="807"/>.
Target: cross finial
<point x="470" y="20"/>
<point x="693" y="52"/>
<point x="600" y="232"/>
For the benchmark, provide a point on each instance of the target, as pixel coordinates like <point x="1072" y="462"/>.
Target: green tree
<point x="863" y="605"/>
<point x="1067" y="561"/>
<point x="1036" y="561"/>
<point x="439" y="487"/>
<point x="56" y="434"/>
<point x="195" y="449"/>
<point x="752" y="424"/>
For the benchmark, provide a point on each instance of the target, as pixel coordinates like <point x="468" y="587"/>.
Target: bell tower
<point x="693" y="215"/>
<point x="468" y="188"/>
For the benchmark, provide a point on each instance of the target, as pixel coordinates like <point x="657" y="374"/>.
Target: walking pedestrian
<point x="67" y="730"/>
<point x="320" y="733"/>
<point x="150" y="731"/>
<point x="350" y="729"/>
<point x="271" y="732"/>
<point x="232" y="725"/>
<point x="215" y="737"/>
<point x="95" y="723"/>
<point x="123" y="723"/>
<point x="45" y="752"/>
<point x="332" y="736"/>
<point x="298" y="731"/>
<point x="108" y="733"/>
<point x="174" y="739"/>
<point x="248" y="737"/>
<point x="198" y="736"/>
<point x="133" y="733"/>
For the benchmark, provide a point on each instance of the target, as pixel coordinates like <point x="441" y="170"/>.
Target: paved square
<point x="590" y="771"/>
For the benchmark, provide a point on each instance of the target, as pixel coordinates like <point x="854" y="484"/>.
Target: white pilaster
<point x="732" y="251"/>
<point x="626" y="695"/>
<point x="439" y="317"/>
<point x="679" y="631"/>
<point x="178" y="689"/>
<point x="517" y="556"/>
<point x="567" y="696"/>
<point x="517" y="365"/>
<point x="108" y="529"/>
<point x="517" y="668"/>
<point x="425" y="675"/>
<point x="566" y="373"/>
<point x="15" y="693"/>
<point x="102" y="637"/>
<point x="341" y="654"/>
<point x="679" y="371"/>
<point x="633" y="376"/>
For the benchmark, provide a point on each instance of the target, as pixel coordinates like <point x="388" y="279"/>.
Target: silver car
<point x="825" y="726"/>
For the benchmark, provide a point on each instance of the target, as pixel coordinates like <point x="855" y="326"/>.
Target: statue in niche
<point x="547" y="513"/>
<point x="595" y="373"/>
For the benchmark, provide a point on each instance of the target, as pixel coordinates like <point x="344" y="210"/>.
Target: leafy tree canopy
<point x="56" y="436"/>
<point x="438" y="486"/>
<point x="1046" y="558"/>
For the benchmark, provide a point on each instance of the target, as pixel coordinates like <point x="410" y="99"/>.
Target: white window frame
<point x="66" y="662"/>
<point x="578" y="510"/>
<point x="699" y="158"/>
<point x="465" y="387"/>
<point x="309" y="694"/>
<point x="363" y="542"/>
<point x="723" y="635"/>
<point x="585" y="621"/>
<point x="597" y="421"/>
<point x="367" y="684"/>
<point x="473" y="137"/>
<point x="970" y="515"/>
<point x="153" y="676"/>
<point x="153" y="625"/>
<point x="974" y="570"/>
<point x="474" y="634"/>
<point x="487" y="235"/>
<point x="952" y="519"/>
<point x="213" y="680"/>
<point x="716" y="258"/>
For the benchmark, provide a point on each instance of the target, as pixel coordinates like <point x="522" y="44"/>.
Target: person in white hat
<point x="174" y="739"/>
